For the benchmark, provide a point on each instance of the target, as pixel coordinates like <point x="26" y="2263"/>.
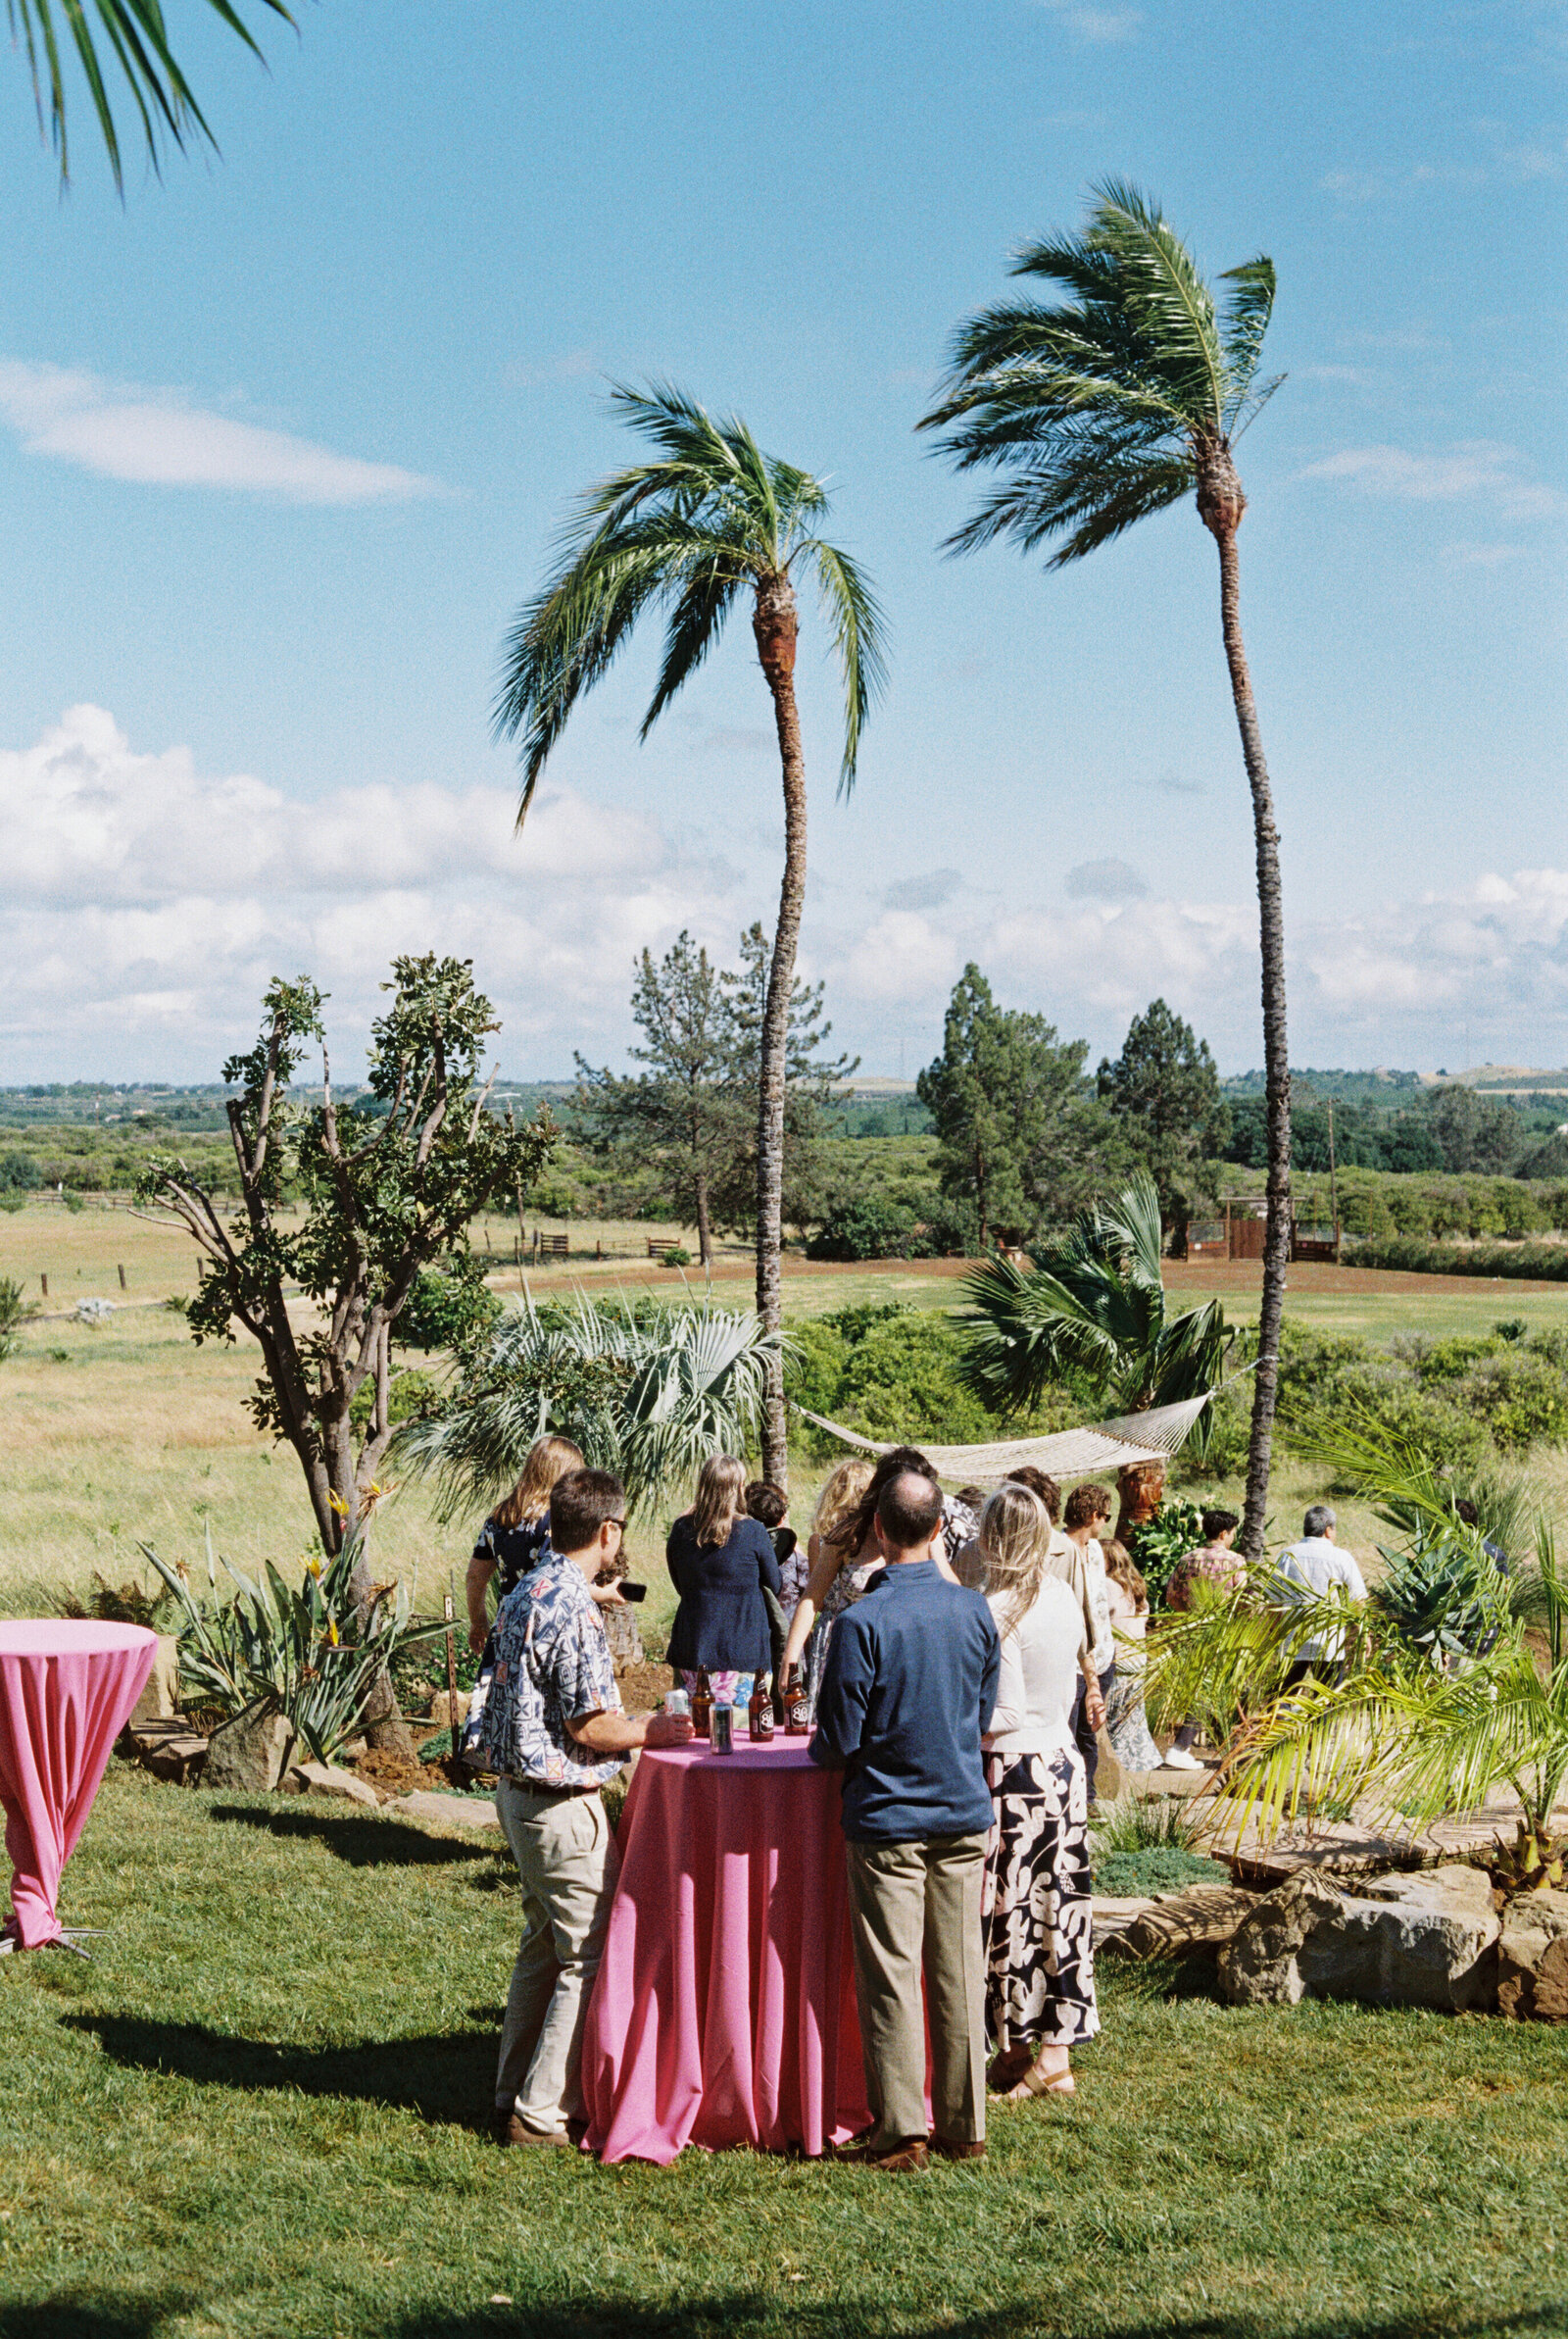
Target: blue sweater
<point x="721" y="1621"/>
<point x="909" y="1686"/>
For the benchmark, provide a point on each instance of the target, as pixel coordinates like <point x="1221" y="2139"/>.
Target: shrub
<point x="675" y="1255"/>
<point x="1521" y="1398"/>
<point x="813" y="1364"/>
<point x="900" y="1380"/>
<point x="1546" y="1262"/>
<point x="871" y="1227"/>
<point x="19" y="1172"/>
<point x="1176" y="1528"/>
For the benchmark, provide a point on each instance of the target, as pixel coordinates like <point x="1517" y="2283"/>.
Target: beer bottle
<point x="759" y="1712"/>
<point x="703" y="1706"/>
<point x="797" y="1705"/>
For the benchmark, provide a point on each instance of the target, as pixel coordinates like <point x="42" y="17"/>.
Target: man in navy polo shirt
<point x="908" y="1688"/>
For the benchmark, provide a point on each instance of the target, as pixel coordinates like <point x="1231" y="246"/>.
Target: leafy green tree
<point x="1165" y="1089"/>
<point x="388" y="1187"/>
<point x="135" y="35"/>
<point x="680" y="1114"/>
<point x="1125" y="399"/>
<point x="1019" y="1133"/>
<point x="711" y="519"/>
<point x="13" y="1313"/>
<point x="1474" y="1132"/>
<point x="1094" y="1305"/>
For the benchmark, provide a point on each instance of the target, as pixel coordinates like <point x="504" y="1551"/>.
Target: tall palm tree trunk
<point x="1221" y="503"/>
<point x="774" y="625"/>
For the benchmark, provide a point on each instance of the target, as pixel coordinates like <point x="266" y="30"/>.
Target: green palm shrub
<point x="311" y="1653"/>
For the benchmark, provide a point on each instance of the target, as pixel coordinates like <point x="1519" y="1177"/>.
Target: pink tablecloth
<point x="724" y="2009"/>
<point x="66" y="1691"/>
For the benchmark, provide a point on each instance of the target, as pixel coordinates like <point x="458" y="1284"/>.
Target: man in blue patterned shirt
<point x="554" y="1728"/>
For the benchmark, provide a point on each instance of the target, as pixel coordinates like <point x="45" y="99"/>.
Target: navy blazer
<point x="721" y="1622"/>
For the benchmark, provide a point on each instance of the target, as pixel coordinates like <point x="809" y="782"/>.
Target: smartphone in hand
<point x="629" y="1591"/>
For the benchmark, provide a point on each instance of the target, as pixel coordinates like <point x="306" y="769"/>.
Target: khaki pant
<point x="916" y="1907"/>
<point x="567" y="1862"/>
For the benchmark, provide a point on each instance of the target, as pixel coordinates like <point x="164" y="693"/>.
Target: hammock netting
<point x="1152" y="1436"/>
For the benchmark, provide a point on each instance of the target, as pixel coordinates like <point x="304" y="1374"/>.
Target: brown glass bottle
<point x="703" y="1706"/>
<point x="759" y="1712"/>
<point x="797" y="1705"/>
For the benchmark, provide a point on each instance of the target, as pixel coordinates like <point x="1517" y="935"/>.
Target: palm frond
<point x="857" y="621"/>
<point x="135" y="35"/>
<point x="649" y="1398"/>
<point x="685" y="531"/>
<point x="1100" y="408"/>
<point x="1094" y="1302"/>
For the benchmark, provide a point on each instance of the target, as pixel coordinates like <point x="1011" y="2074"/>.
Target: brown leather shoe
<point x="960" y="2148"/>
<point x="510" y="2129"/>
<point x="898" y="2159"/>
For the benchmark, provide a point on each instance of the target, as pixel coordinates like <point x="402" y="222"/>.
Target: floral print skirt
<point x="1126" y="1722"/>
<point x="1035" y="1913"/>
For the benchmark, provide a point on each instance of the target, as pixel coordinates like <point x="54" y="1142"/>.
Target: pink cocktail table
<point x="724" y="2009"/>
<point x="66" y="1691"/>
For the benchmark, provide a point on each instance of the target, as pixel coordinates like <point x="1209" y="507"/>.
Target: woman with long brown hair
<point x="516" y="1534"/>
<point x="1036" y="1911"/>
<point x="719" y="1560"/>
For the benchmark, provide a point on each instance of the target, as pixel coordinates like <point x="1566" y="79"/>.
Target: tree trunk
<point x="1221" y="505"/>
<point x="774" y="625"/>
<point x="705" y="1244"/>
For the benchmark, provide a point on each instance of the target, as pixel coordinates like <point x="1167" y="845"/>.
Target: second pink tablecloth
<point x="724" y="2009"/>
<point x="66" y="1691"/>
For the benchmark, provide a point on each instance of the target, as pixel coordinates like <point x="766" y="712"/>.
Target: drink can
<point x="723" y="1729"/>
<point x="678" y="1704"/>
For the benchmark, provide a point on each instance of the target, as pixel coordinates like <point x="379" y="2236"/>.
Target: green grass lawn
<point x="262" y="2111"/>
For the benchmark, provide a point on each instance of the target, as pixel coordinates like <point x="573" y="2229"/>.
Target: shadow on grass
<point x="362" y="1841"/>
<point x="448" y="2079"/>
<point x="767" y="2313"/>
<point x="92" y="2312"/>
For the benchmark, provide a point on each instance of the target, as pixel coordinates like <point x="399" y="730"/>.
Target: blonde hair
<point x="719" y="1501"/>
<point x="843" y="1491"/>
<point x="1014" y="1532"/>
<point x="549" y="1459"/>
<point x="1122" y="1569"/>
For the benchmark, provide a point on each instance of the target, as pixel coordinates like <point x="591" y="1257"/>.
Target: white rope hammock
<point x="1152" y="1436"/>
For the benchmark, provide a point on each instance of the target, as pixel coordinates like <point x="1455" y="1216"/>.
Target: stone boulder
<point x="160" y="1696"/>
<point x="447" y="1810"/>
<point x="325" y="1779"/>
<point x="1422" y="1940"/>
<point x="249" y="1754"/>
<point x="1176" y="1923"/>
<point x="169" y="1750"/>
<point x="1532" y="1959"/>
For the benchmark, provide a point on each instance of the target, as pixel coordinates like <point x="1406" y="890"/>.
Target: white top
<point x="1103" y="1652"/>
<point x="1042" y="1663"/>
<point x="1318" y="1566"/>
<point x="1126" y="1617"/>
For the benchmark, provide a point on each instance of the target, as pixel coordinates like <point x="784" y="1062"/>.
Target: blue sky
<point x="284" y="441"/>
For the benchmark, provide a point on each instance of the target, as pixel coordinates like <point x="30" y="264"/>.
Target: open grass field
<point x="261" y="2111"/>
<point x="129" y="1433"/>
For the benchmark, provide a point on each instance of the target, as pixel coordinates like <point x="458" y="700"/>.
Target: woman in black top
<point x="516" y="1534"/>
<point x="720" y="1562"/>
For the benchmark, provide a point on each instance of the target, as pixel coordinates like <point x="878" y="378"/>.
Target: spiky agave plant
<point x="1094" y="1302"/>
<point x="649" y="1397"/>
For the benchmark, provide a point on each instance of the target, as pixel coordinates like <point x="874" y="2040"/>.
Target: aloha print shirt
<point x="551" y="1666"/>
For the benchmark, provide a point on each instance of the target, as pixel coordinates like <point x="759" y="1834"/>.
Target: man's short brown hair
<point x="1047" y="1489"/>
<point x="1085" y="1504"/>
<point x="908" y="1510"/>
<point x="766" y="1503"/>
<point x="579" y="1505"/>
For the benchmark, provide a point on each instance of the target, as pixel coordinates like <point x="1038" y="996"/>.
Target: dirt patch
<point x="391" y="1773"/>
<point x="643" y="1687"/>
<point x="1320" y="1275"/>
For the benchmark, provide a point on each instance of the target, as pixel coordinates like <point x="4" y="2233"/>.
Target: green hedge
<point x="1542" y="1262"/>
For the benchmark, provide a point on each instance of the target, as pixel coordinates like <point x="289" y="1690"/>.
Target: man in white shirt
<point x="1310" y="1571"/>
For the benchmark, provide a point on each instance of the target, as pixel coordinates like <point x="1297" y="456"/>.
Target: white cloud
<point x="1095" y="24"/>
<point x="145" y="905"/>
<point x="1472" y="468"/>
<point x="1110" y="880"/>
<point x="158" y="438"/>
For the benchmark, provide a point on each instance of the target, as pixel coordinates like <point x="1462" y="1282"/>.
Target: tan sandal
<point x="1036" y="2081"/>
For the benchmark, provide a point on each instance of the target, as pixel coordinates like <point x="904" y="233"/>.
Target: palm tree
<point x="1094" y="1303"/>
<point x="711" y="518"/>
<point x="1123" y="400"/>
<point x="134" y="33"/>
<point x="647" y="1396"/>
